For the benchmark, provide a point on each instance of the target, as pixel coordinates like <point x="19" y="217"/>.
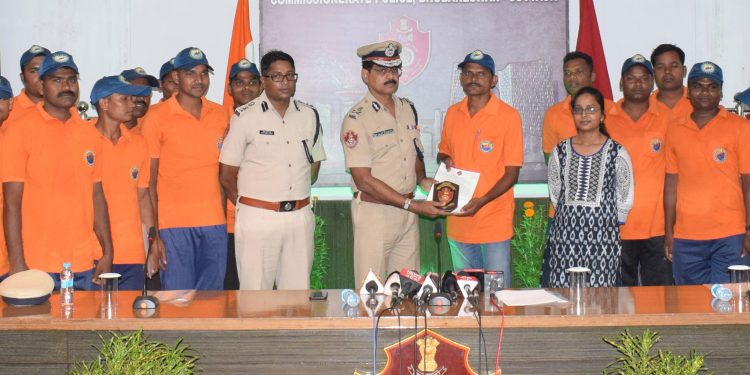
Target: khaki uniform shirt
<point x="387" y="143"/>
<point x="274" y="154"/>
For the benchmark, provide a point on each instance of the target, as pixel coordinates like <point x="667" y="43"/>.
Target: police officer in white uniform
<point x="383" y="152"/>
<point x="270" y="158"/>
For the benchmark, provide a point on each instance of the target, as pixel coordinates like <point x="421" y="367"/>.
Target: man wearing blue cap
<point x="706" y="189"/>
<point x="482" y="133"/>
<point x="31" y="93"/>
<point x="244" y="86"/>
<point x="638" y="124"/>
<point x="184" y="136"/>
<point x="383" y="151"/>
<point x="168" y="82"/>
<point x="138" y="76"/>
<point x="50" y="164"/>
<point x="125" y="176"/>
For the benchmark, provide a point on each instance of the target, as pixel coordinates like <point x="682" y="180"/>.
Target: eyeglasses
<point x="392" y="71"/>
<point x="278" y="77"/>
<point x="240" y="83"/>
<point x="479" y="75"/>
<point x="590" y="110"/>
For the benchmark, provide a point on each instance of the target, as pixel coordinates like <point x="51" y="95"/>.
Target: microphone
<point x="371" y="277"/>
<point x="428" y="287"/>
<point x="478" y="273"/>
<point x="411" y="282"/>
<point x="372" y="289"/>
<point x="466" y="284"/>
<point x="144" y="301"/>
<point x="82" y="107"/>
<point x="392" y="284"/>
<point x="449" y="285"/>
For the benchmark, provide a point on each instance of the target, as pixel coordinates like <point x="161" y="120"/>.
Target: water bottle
<point x="349" y="297"/>
<point x="721" y="292"/>
<point x="66" y="285"/>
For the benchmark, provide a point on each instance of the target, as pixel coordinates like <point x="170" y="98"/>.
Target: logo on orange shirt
<point x="134" y="173"/>
<point x="486" y="146"/>
<point x="350" y="139"/>
<point x="720" y="155"/>
<point x="656" y="145"/>
<point x="89" y="157"/>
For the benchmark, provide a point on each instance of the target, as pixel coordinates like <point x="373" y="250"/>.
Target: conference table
<point x="284" y="332"/>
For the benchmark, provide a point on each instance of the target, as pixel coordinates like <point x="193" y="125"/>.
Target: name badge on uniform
<point x="266" y="132"/>
<point x="382" y="132"/>
<point x="412" y="127"/>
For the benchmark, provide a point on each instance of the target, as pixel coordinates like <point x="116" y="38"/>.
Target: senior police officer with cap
<point x="278" y="140"/>
<point x="31" y="93"/>
<point x="380" y="137"/>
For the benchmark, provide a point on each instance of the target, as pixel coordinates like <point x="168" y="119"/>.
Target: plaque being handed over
<point x="455" y="188"/>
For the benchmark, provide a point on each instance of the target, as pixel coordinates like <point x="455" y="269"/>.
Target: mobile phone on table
<point x="318" y="295"/>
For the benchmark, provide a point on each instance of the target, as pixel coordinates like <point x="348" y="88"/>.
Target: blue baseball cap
<point x="135" y="73"/>
<point x="107" y="86"/>
<point x="637" y="59"/>
<point x="6" y="92"/>
<point x="33" y="52"/>
<point x="191" y="57"/>
<point x="56" y="61"/>
<point x="481" y="58"/>
<point x="743" y="97"/>
<point x="243" y="65"/>
<point x="166" y="68"/>
<point x="708" y="70"/>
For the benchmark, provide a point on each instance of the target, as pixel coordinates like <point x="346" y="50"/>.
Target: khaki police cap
<point x="28" y="287"/>
<point x="385" y="53"/>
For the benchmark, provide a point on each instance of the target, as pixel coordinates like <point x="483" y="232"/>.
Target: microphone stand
<point x="144" y="301"/>
<point x="438" y="239"/>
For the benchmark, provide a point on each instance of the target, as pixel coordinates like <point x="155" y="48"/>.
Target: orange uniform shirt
<point x="21" y="105"/>
<point x="126" y="167"/>
<point x="485" y="143"/>
<point x="58" y="164"/>
<point x="644" y="141"/>
<point x="188" y="152"/>
<point x="708" y="163"/>
<point x="4" y="265"/>
<point x="682" y="108"/>
<point x="558" y="125"/>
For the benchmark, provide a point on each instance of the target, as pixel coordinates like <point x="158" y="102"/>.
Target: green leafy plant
<point x="637" y="357"/>
<point x="528" y="246"/>
<point x="320" y="258"/>
<point x="134" y="354"/>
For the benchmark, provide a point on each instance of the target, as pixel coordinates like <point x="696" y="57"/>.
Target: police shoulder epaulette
<point x="355" y="112"/>
<point x="409" y="102"/>
<point x="243" y="108"/>
<point x="303" y="103"/>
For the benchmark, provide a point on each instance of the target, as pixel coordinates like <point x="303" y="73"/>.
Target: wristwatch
<point x="407" y="202"/>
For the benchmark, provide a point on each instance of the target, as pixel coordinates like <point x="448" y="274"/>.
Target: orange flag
<point x="241" y="37"/>
<point x="590" y="42"/>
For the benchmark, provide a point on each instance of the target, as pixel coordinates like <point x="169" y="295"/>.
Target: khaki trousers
<point x="386" y="239"/>
<point x="274" y="247"/>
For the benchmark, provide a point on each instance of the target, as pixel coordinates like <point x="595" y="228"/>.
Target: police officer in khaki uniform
<point x="380" y="136"/>
<point x="277" y="140"/>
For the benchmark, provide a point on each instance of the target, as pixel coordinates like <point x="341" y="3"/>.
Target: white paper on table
<point x="527" y="297"/>
<point x="466" y="181"/>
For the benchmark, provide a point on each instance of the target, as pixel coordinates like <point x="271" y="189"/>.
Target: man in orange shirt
<point x="167" y="80"/>
<point x="244" y="86"/>
<point x="641" y="127"/>
<point x="55" y="210"/>
<point x="31" y="93"/>
<point x="138" y="76"/>
<point x="184" y="136"/>
<point x="125" y="174"/>
<point x="669" y="73"/>
<point x="707" y="185"/>
<point x="483" y="134"/>
<point x="6" y="105"/>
